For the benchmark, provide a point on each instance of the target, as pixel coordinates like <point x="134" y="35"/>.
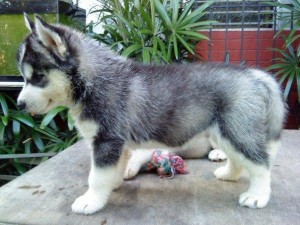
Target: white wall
<point x="87" y="5"/>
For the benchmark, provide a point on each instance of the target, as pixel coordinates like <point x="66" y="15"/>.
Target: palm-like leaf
<point x="20" y="133"/>
<point x="290" y="14"/>
<point x="287" y="68"/>
<point x="152" y="30"/>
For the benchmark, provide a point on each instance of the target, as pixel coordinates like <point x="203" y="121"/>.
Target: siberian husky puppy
<point x="120" y="104"/>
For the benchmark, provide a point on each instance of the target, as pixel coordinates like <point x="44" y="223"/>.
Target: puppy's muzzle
<point x="22" y="105"/>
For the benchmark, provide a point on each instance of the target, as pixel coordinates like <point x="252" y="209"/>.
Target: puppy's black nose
<point x="22" y="105"/>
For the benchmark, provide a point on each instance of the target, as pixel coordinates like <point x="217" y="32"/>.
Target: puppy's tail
<point x="276" y="107"/>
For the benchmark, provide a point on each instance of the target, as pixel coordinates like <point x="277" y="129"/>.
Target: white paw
<point x="138" y="158"/>
<point x="217" y="155"/>
<point x="223" y="173"/>
<point x="132" y="169"/>
<point x="253" y="201"/>
<point x="88" y="203"/>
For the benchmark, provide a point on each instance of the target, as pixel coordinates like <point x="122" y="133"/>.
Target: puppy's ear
<point x="49" y="37"/>
<point x="28" y="23"/>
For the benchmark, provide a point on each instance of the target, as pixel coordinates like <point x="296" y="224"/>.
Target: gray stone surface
<point x="44" y="195"/>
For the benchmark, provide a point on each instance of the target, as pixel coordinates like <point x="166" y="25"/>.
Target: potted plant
<point x="286" y="66"/>
<point x="152" y="30"/>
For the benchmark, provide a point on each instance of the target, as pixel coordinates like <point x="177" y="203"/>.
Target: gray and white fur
<point x="120" y="104"/>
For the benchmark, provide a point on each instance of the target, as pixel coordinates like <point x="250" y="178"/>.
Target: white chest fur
<point x="87" y="128"/>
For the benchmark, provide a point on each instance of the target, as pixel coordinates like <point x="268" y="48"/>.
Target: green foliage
<point x="13" y="32"/>
<point x="20" y="133"/>
<point x="287" y="67"/>
<point x="152" y="30"/>
<point x="288" y="14"/>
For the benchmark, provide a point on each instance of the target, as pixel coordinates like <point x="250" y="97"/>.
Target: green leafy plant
<point x="152" y="30"/>
<point x="23" y="139"/>
<point x="287" y="68"/>
<point x="289" y="15"/>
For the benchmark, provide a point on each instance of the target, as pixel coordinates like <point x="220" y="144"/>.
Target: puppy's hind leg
<point x="137" y="159"/>
<point x="230" y="172"/>
<point x="216" y="154"/>
<point x="258" y="194"/>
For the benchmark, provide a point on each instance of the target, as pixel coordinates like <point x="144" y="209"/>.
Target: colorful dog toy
<point x="166" y="163"/>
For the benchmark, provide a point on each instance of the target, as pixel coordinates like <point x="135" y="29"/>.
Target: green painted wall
<point x="12" y="32"/>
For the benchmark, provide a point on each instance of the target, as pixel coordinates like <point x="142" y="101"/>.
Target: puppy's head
<point x="49" y="67"/>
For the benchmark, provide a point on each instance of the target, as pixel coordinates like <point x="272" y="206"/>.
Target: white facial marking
<point x="27" y="71"/>
<point x="40" y="100"/>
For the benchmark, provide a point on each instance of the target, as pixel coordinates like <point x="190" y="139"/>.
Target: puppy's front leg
<point x="105" y="175"/>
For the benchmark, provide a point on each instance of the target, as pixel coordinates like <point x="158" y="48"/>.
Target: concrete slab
<point x="44" y="195"/>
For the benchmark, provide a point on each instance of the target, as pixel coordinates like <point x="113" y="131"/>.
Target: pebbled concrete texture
<point x="44" y="195"/>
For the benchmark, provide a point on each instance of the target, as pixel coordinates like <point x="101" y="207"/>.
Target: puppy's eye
<point x="38" y="77"/>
